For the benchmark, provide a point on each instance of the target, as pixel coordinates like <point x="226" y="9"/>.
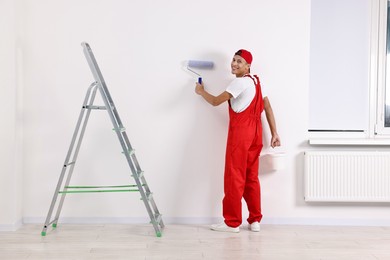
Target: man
<point x="244" y="143"/>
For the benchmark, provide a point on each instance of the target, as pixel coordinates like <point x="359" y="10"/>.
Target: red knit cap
<point x="246" y="55"/>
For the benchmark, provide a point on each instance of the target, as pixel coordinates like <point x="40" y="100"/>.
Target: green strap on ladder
<point x="63" y="186"/>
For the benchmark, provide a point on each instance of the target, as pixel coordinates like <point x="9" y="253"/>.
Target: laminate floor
<point x="133" y="241"/>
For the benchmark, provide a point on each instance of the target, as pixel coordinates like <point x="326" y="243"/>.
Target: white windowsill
<point x="349" y="141"/>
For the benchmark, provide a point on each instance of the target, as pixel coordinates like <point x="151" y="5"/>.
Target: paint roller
<point x="198" y="64"/>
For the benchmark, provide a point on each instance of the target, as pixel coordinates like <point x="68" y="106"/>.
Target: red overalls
<point x="243" y="148"/>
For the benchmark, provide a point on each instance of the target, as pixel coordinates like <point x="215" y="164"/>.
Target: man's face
<point x="239" y="66"/>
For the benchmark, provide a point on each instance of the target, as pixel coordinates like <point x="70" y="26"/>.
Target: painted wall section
<point x="178" y="137"/>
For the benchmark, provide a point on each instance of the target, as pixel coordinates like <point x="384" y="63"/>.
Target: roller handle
<point x="200" y="80"/>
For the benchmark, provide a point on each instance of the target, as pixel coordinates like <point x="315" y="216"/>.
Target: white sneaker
<point x="224" y="228"/>
<point x="254" y="227"/>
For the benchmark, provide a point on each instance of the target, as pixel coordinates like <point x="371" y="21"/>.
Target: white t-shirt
<point x="243" y="91"/>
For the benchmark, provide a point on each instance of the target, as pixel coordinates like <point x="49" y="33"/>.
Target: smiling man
<point x="244" y="143"/>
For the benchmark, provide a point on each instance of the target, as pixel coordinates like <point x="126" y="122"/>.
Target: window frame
<point x="380" y="8"/>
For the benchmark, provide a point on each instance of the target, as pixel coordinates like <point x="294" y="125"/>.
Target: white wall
<point x="11" y="127"/>
<point x="178" y="137"/>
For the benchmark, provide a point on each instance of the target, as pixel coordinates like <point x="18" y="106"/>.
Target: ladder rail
<point x="76" y="152"/>
<point x="66" y="162"/>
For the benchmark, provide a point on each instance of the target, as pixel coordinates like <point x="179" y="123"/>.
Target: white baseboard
<point x="11" y="227"/>
<point x="326" y="222"/>
<point x="131" y="220"/>
<point x="207" y="221"/>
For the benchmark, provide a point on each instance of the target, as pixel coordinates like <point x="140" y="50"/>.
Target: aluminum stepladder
<point x="63" y="187"/>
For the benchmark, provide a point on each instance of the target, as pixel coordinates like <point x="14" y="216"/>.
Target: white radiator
<point x="347" y="176"/>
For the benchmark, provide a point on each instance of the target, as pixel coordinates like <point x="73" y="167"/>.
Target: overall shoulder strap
<point x="259" y="102"/>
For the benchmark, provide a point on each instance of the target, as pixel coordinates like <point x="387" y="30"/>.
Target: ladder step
<point x="149" y="196"/>
<point x="140" y="174"/>
<point x="121" y="129"/>
<point x="157" y="218"/>
<point x="95" y="107"/>
<point x="130" y="152"/>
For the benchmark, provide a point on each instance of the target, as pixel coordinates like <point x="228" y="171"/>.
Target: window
<point x="350" y="52"/>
